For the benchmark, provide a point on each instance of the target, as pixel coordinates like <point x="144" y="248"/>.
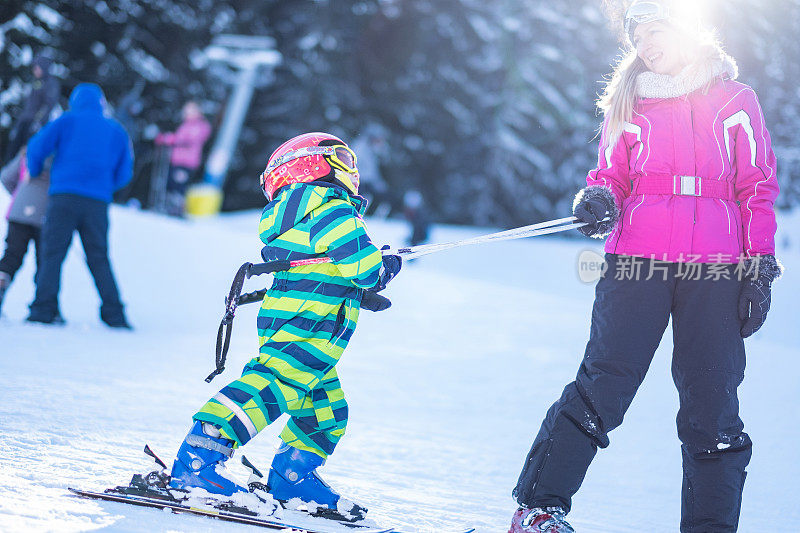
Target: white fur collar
<point x="652" y="85"/>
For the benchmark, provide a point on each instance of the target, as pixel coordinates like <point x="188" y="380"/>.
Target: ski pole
<point x="247" y="270"/>
<point x="409" y="252"/>
<point x="533" y="230"/>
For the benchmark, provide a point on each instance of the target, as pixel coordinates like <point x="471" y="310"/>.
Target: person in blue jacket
<point x="92" y="159"/>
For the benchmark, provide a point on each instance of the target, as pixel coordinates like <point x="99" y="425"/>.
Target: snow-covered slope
<point x="446" y="389"/>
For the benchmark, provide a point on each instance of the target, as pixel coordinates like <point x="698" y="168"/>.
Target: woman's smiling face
<point x="658" y="44"/>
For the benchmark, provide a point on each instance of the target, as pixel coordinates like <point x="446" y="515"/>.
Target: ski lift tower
<point x="249" y="56"/>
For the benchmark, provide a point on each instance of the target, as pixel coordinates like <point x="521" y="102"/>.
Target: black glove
<point x="754" y="301"/>
<point x="756" y="295"/>
<point x="593" y="211"/>
<point x="372" y="301"/>
<point x="391" y="266"/>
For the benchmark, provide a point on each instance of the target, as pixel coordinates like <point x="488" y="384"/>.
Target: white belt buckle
<point x="690" y="186"/>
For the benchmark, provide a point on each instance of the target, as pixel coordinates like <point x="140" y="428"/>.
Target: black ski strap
<point x="226" y="325"/>
<point x="234" y="299"/>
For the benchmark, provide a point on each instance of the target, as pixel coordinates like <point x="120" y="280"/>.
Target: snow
<point x="201" y="498"/>
<point x="25" y="25"/>
<point x="148" y="66"/>
<point x="48" y="15"/>
<point x="446" y="389"/>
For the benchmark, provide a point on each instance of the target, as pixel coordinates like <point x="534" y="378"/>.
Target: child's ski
<point x="153" y="490"/>
<point x="230" y="513"/>
<point x="221" y="511"/>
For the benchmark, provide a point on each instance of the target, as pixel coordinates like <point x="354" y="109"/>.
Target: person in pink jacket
<point x="25" y="216"/>
<point x="187" y="153"/>
<point x="684" y="188"/>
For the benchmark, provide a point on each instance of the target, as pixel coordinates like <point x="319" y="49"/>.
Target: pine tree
<point x="488" y="106"/>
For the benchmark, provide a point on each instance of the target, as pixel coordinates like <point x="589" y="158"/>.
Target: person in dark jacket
<point x="25" y="217"/>
<point x="93" y="158"/>
<point x="415" y="213"/>
<point x="43" y="97"/>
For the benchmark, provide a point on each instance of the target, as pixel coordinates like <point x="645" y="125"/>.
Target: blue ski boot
<point x="293" y="475"/>
<point x="200" y="462"/>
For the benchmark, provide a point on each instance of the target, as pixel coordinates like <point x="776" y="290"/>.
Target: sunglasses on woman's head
<point x="642" y="13"/>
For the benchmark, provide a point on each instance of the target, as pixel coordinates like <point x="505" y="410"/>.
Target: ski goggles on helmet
<point x="339" y="156"/>
<point x="642" y="13"/>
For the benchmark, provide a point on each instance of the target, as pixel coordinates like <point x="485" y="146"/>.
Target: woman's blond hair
<point x="702" y="53"/>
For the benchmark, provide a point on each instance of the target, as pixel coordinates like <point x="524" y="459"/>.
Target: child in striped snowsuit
<point x="305" y="322"/>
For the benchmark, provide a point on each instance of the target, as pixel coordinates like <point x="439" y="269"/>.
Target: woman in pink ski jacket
<point x="692" y="172"/>
<point x="187" y="153"/>
<point x="684" y="188"/>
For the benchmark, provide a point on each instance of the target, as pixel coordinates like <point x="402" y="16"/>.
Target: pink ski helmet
<point x="310" y="157"/>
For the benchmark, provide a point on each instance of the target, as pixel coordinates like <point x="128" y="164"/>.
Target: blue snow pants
<point x="66" y="214"/>
<point x="629" y="318"/>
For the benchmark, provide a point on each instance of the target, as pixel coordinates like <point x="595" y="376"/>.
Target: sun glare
<point x="695" y="11"/>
